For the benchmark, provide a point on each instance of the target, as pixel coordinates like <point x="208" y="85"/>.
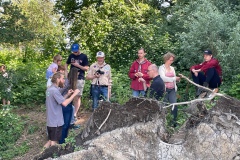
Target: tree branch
<point x="98" y="131"/>
<point x="199" y="99"/>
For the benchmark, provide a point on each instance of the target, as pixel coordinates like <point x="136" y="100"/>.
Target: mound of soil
<point x="110" y="116"/>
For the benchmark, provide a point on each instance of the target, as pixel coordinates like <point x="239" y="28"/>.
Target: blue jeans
<point x="98" y="91"/>
<point x="137" y="93"/>
<point x="67" y="116"/>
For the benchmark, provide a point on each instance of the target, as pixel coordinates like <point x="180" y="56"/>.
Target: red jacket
<point x="135" y="84"/>
<point x="209" y="64"/>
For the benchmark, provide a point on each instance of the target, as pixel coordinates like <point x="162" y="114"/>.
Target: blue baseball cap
<point x="75" y="47"/>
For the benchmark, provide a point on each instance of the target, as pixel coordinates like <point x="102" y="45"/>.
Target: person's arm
<point x="70" y="99"/>
<point x="132" y="73"/>
<point x="161" y="72"/>
<point x="91" y="75"/>
<point x="144" y="83"/>
<point x="211" y="64"/>
<point x="84" y="68"/>
<point x="66" y="69"/>
<point x="109" y="84"/>
<point x="196" y="67"/>
<point x="84" y="65"/>
<point x="145" y="74"/>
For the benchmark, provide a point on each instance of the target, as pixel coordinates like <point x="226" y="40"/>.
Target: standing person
<point x="157" y="87"/>
<point x="80" y="61"/>
<point x="57" y="59"/>
<point x="168" y="75"/>
<point x="71" y="83"/>
<point x="6" y="93"/>
<point x="54" y="103"/>
<point x="208" y="73"/>
<point x="100" y="74"/>
<point x="138" y="70"/>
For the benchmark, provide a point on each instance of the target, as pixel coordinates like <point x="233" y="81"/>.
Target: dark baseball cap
<point x="207" y="52"/>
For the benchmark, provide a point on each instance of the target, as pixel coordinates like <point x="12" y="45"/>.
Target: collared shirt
<point x="54" y="99"/>
<point x="104" y="79"/>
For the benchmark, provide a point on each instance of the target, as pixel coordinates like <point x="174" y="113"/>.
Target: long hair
<point x="73" y="77"/>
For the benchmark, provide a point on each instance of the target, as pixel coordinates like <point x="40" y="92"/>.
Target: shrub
<point x="11" y="128"/>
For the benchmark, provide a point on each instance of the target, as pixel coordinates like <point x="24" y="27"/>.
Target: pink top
<point x="169" y="85"/>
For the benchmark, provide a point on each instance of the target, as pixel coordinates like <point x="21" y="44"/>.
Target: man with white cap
<point x="100" y="74"/>
<point x="80" y="61"/>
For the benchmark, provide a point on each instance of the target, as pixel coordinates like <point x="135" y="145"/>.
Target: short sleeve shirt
<point x="81" y="60"/>
<point x="54" y="99"/>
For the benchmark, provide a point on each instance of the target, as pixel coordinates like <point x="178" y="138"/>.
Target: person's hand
<point x="136" y="74"/>
<point x="141" y="80"/>
<point x="97" y="75"/>
<point x="76" y="91"/>
<point x="195" y="72"/>
<point x="178" y="79"/>
<point x="70" y="91"/>
<point x="74" y="64"/>
<point x="140" y="74"/>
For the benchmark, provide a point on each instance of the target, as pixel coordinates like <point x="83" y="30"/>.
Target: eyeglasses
<point x="60" y="60"/>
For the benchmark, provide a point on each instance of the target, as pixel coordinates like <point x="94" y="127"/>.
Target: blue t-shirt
<point x="81" y="60"/>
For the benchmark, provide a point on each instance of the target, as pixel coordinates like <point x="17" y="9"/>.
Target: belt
<point x="99" y="85"/>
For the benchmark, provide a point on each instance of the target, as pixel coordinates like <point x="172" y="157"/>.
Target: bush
<point x="11" y="128"/>
<point x="235" y="88"/>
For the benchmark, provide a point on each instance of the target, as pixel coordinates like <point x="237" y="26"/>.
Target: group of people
<point x="63" y="95"/>
<point x="147" y="79"/>
<point x="164" y="78"/>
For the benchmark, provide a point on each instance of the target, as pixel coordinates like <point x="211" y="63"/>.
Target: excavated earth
<point x="137" y="130"/>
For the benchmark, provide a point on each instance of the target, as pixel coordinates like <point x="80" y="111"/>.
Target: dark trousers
<point x="67" y="116"/>
<point x="211" y="77"/>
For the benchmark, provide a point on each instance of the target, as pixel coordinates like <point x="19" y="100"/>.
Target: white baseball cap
<point x="100" y="54"/>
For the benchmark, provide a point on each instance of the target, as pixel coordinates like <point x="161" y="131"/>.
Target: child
<point x="53" y="66"/>
<point x="6" y="89"/>
<point x="61" y="69"/>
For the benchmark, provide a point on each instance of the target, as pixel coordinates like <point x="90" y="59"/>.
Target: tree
<point x="13" y="22"/>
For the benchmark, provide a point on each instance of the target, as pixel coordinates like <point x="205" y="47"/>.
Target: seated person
<point x="208" y="73"/>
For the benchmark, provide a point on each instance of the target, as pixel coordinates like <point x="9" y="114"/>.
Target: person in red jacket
<point x="208" y="73"/>
<point x="138" y="70"/>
